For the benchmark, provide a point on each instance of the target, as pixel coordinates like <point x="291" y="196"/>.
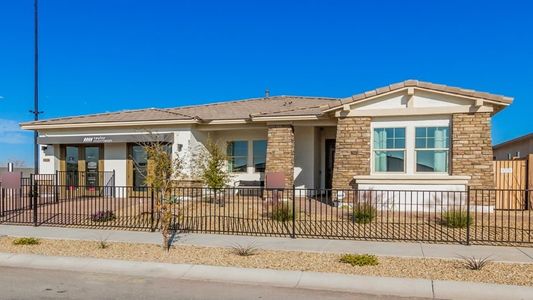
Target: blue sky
<point x="99" y="56"/>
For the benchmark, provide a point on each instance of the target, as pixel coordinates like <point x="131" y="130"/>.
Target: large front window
<point x="389" y="149"/>
<point x="432" y="148"/>
<point x="237" y="153"/>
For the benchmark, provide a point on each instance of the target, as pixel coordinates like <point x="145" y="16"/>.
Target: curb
<point x="403" y="287"/>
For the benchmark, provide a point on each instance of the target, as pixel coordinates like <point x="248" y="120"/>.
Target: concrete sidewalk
<point x="422" y="288"/>
<point x="402" y="249"/>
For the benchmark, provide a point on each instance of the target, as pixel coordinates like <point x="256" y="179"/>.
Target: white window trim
<point x="410" y="155"/>
<point x="448" y="160"/>
<point x="392" y="149"/>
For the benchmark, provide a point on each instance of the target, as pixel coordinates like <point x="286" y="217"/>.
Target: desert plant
<point x="363" y="213"/>
<point x="281" y="212"/>
<point x="244" y="250"/>
<point x="26" y="241"/>
<point x="474" y="263"/>
<point x="103" y="216"/>
<point x="103" y="244"/>
<point x="456" y="219"/>
<point x="359" y="259"/>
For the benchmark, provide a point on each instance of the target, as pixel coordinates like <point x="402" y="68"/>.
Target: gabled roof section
<point x="498" y="99"/>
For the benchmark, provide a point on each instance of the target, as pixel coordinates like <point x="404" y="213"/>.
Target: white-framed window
<point x="237" y="154"/>
<point x="389" y="149"/>
<point x="432" y="147"/>
<point x="411" y="145"/>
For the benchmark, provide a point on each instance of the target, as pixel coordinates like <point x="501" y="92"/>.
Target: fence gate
<point x="511" y="175"/>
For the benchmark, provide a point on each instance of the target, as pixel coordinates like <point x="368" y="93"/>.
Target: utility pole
<point x="35" y="110"/>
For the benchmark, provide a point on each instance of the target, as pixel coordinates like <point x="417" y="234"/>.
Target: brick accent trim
<point x="352" y="151"/>
<point x="472" y="148"/>
<point x="280" y="152"/>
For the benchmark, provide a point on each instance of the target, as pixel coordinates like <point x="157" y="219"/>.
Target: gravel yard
<point x="438" y="269"/>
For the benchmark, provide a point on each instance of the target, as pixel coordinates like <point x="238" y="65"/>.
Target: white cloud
<point x="10" y="133"/>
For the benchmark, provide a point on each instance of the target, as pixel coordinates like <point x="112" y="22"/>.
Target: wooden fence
<point x="516" y="175"/>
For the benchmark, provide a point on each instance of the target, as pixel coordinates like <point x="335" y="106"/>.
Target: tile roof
<point x="430" y="86"/>
<point x="259" y="107"/>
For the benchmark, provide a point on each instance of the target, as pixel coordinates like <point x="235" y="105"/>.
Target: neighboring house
<point x="408" y="135"/>
<point x="517" y="148"/>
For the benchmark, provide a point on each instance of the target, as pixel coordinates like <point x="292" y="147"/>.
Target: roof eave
<point x="40" y="126"/>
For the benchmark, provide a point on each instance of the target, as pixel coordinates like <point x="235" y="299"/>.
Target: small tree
<point x="211" y="166"/>
<point x="163" y="171"/>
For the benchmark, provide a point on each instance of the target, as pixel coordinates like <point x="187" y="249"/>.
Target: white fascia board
<point x="107" y="124"/>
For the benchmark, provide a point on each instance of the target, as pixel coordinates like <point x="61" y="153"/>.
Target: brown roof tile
<point x="241" y="109"/>
<point x="271" y="106"/>
<point x="428" y="85"/>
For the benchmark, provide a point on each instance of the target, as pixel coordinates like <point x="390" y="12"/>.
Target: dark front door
<point x="330" y="158"/>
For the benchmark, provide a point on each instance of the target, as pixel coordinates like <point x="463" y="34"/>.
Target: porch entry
<point x="81" y="165"/>
<point x="329" y="162"/>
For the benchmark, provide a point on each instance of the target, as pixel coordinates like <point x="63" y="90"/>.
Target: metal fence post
<point x="468" y="215"/>
<point x="34" y="197"/>
<point x="152" y="221"/>
<point x="56" y="187"/>
<point x="2" y="197"/>
<point x="293" y="234"/>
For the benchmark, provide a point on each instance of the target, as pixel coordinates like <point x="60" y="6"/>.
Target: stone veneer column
<point x="280" y="152"/>
<point x="352" y="151"/>
<point x="472" y="149"/>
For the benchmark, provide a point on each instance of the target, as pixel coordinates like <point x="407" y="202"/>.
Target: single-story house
<point x="516" y="148"/>
<point x="410" y="135"/>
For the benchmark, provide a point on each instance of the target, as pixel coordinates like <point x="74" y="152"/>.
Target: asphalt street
<point x="20" y="283"/>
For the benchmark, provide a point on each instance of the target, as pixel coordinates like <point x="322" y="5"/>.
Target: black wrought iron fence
<point x="470" y="216"/>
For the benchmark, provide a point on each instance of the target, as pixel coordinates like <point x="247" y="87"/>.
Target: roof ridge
<point x="288" y="110"/>
<point x="254" y="99"/>
<point x="174" y="113"/>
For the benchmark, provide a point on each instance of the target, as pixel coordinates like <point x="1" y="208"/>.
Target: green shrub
<point x="26" y="241"/>
<point x="456" y="219"/>
<point x="359" y="260"/>
<point x="363" y="213"/>
<point x="281" y="212"/>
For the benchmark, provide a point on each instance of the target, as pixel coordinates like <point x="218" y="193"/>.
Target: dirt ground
<point x="438" y="269"/>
